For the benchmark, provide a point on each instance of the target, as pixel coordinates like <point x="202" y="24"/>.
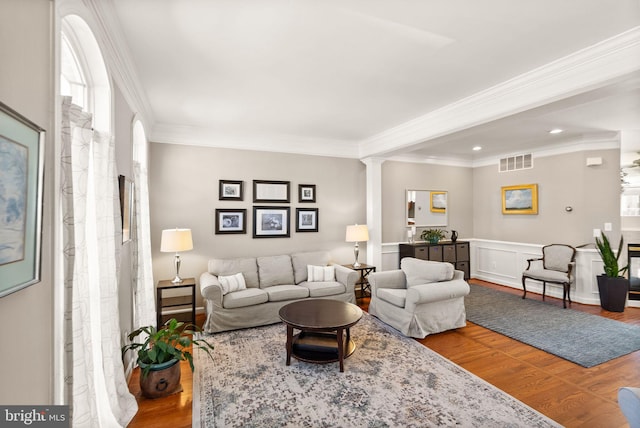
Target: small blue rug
<point x="584" y="339"/>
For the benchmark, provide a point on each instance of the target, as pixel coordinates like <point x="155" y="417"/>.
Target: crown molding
<point x="584" y="70"/>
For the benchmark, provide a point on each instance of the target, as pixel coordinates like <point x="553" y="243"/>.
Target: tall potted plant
<point x="160" y="352"/>
<point x="612" y="285"/>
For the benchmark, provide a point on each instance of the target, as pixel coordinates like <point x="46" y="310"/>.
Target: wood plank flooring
<point x="569" y="394"/>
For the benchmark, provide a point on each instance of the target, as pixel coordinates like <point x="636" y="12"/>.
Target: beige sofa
<point x="271" y="282"/>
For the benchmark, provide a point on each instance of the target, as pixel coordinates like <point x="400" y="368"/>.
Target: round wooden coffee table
<point x="322" y="324"/>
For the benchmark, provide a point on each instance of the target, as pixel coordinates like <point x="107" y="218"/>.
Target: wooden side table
<point x="187" y="302"/>
<point x="363" y="282"/>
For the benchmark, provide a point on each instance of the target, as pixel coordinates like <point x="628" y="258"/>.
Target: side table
<point x="187" y="302"/>
<point x="363" y="282"/>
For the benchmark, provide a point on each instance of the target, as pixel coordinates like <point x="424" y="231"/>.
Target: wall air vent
<point x="515" y="163"/>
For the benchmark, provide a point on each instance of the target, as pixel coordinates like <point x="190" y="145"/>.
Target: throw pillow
<point x="232" y="283"/>
<point x="321" y="273"/>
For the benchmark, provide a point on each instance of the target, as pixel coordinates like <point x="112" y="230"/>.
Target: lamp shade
<point x="176" y="240"/>
<point x="357" y="233"/>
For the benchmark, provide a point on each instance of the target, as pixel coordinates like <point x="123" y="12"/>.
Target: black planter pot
<point x="613" y="292"/>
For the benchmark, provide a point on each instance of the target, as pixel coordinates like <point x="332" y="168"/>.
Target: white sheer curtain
<point x="97" y="388"/>
<point x="144" y="300"/>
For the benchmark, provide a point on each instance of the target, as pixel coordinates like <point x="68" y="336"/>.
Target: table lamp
<point x="174" y="241"/>
<point x="357" y="233"/>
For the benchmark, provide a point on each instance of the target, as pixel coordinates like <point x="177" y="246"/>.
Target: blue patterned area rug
<point x="389" y="381"/>
<point x="579" y="337"/>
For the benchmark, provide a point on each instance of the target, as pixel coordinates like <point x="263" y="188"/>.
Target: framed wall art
<point x="306" y="193"/>
<point x="126" y="206"/>
<point x="520" y="199"/>
<point x="306" y="219"/>
<point x="438" y="202"/>
<point x="271" y="222"/>
<point x="21" y="181"/>
<point x="271" y="191"/>
<point x="230" y="190"/>
<point x="231" y="221"/>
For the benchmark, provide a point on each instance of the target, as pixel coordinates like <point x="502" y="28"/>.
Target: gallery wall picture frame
<point x="125" y="186"/>
<point x="21" y="183"/>
<point x="230" y="221"/>
<point x="438" y="202"/>
<point x="306" y="192"/>
<point x="520" y="199"/>
<point x="306" y="219"/>
<point x="271" y="191"/>
<point x="231" y="190"/>
<point x="271" y="222"/>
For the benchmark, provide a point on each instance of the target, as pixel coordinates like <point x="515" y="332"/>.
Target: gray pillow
<point x="300" y="261"/>
<point x="275" y="270"/>
<point x="425" y="271"/>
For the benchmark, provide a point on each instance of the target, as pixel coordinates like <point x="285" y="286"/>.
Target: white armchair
<point x="629" y="402"/>
<point x="558" y="266"/>
<point x="420" y="298"/>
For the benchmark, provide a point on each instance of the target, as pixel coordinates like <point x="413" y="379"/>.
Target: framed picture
<point x="230" y="190"/>
<point x="271" y="222"/>
<point x="521" y="199"/>
<point x="270" y="191"/>
<point x="21" y="181"/>
<point x="231" y="221"/>
<point x="306" y="219"/>
<point x="306" y="192"/>
<point x="438" y="202"/>
<point x="126" y="204"/>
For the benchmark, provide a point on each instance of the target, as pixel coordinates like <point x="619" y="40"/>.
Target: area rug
<point x="582" y="338"/>
<point x="389" y="381"/>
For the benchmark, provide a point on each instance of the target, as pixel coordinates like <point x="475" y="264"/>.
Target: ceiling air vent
<point x="515" y="163"/>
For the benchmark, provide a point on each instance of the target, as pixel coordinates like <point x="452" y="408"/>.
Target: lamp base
<point x="176" y="280"/>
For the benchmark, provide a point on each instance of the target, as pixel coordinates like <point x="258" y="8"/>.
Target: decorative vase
<point x="454" y="236"/>
<point x="613" y="292"/>
<point x="434" y="240"/>
<point x="162" y="379"/>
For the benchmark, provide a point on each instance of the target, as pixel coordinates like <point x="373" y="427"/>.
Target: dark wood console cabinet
<point x="456" y="253"/>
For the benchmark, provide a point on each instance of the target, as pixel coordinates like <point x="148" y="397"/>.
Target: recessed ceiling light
<point x="555" y="131"/>
<point x="476" y="148"/>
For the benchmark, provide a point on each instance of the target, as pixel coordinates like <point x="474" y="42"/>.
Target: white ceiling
<point x="353" y="76"/>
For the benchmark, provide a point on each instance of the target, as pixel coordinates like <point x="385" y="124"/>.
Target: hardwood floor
<point x="569" y="394"/>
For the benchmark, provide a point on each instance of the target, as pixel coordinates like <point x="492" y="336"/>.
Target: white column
<point x="374" y="210"/>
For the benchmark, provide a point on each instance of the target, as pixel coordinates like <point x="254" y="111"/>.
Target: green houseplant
<point x="612" y="285"/>
<point x="159" y="353"/>
<point x="433" y="236"/>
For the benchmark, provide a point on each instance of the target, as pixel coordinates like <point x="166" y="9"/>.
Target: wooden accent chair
<point x="558" y="263"/>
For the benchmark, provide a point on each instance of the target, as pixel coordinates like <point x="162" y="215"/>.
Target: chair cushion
<point x="321" y="289"/>
<point x="275" y="270"/>
<point x="395" y="296"/>
<point x="278" y="293"/>
<point x="546" y="275"/>
<point x="247" y="266"/>
<point x="321" y="273"/>
<point x="242" y="298"/>
<point x="232" y="283"/>
<point x="425" y="271"/>
<point x="300" y="261"/>
<point x="629" y="402"/>
<point x="557" y="257"/>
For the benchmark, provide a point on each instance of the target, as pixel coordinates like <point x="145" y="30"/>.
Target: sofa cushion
<point x="321" y="289"/>
<point x="425" y="271"/>
<point x="275" y="270"/>
<point x="395" y="296"/>
<point x="278" y="293"/>
<point x="247" y="266"/>
<point x="242" y="298"/>
<point x="232" y="283"/>
<point x="321" y="273"/>
<point x="300" y="261"/>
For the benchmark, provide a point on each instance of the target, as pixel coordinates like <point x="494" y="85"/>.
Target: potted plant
<point x="612" y="285"/>
<point x="433" y="236"/>
<point x="160" y="352"/>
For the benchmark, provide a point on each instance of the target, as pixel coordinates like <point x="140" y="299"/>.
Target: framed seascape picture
<point x="306" y="219"/>
<point x="126" y="204"/>
<point x="438" y="202"/>
<point x="231" y="221"/>
<point x="230" y="190"/>
<point x="271" y="222"/>
<point x="520" y="199"/>
<point x="306" y="193"/>
<point x="271" y="191"/>
<point x="21" y="181"/>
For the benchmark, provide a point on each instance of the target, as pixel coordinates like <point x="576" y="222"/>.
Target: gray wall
<point x="26" y="315"/>
<point x="563" y="180"/>
<point x="397" y="177"/>
<point x="184" y="193"/>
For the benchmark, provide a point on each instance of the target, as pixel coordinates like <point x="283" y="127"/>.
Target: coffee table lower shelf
<point x="320" y="347"/>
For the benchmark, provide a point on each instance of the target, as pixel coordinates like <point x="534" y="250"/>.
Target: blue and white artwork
<point x="13" y="199"/>
<point x="519" y="199"/>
